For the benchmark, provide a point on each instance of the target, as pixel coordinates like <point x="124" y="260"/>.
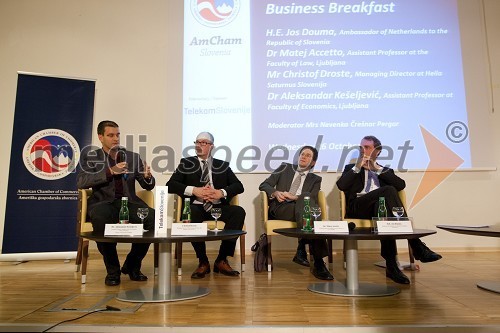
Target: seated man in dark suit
<point x="209" y="182"/>
<point x="363" y="184"/>
<point x="111" y="172"/>
<point x="286" y="188"/>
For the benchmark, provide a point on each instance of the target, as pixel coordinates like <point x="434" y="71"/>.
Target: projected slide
<point x="328" y="73"/>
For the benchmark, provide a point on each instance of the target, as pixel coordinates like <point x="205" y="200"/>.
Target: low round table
<point x="488" y="231"/>
<point x="163" y="291"/>
<point x="353" y="287"/>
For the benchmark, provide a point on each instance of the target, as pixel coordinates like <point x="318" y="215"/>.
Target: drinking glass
<point x="316" y="212"/>
<point x="216" y="213"/>
<point x="398" y="211"/>
<point x="142" y="213"/>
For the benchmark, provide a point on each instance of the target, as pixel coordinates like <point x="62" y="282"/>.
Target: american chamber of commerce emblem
<point x="51" y="154"/>
<point x="215" y="13"/>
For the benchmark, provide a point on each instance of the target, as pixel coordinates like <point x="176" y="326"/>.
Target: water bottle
<point x="124" y="216"/>
<point x="382" y="210"/>
<point x="186" y="212"/>
<point x="381" y="213"/>
<point x="306" y="214"/>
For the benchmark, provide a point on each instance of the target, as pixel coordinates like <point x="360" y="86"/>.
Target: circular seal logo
<point x="215" y="13"/>
<point x="51" y="154"/>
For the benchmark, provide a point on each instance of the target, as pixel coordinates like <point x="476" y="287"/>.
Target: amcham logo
<point x="51" y="154"/>
<point x="215" y="13"/>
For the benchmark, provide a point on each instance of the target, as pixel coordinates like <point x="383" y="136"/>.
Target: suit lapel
<point x="216" y="171"/>
<point x="290" y="173"/>
<point x="307" y="187"/>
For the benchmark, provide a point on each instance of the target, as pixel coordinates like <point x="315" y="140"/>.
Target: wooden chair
<point x="367" y="223"/>
<point x="270" y="225"/>
<point x="83" y="225"/>
<point x="178" y="246"/>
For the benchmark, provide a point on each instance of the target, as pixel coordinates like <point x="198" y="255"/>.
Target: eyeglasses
<point x="202" y="143"/>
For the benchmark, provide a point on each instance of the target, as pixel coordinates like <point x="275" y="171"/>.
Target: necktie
<point x="205" y="179"/>
<point x="372" y="177"/>
<point x="296" y="183"/>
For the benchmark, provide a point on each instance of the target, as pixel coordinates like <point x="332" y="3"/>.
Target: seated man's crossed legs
<point x="292" y="211"/>
<point x="365" y="207"/>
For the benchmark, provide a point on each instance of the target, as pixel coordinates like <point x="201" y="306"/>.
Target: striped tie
<point x="205" y="179"/>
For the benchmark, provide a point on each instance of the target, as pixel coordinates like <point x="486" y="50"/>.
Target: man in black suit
<point x="363" y="184"/>
<point x="209" y="182"/>
<point x="111" y="172"/>
<point x="286" y="188"/>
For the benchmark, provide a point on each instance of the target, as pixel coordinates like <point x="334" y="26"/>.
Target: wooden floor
<point x="443" y="297"/>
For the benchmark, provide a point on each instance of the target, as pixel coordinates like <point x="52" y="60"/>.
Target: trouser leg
<point x="137" y="253"/>
<point x="100" y="215"/>
<point x="234" y="217"/>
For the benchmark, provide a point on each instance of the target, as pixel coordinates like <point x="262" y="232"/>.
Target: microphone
<point x="121" y="156"/>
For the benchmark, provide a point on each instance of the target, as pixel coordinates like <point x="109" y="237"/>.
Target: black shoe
<point x="393" y="272"/>
<point x="301" y="258"/>
<point x="112" y="280"/>
<point x="320" y="271"/>
<point x="135" y="275"/>
<point x="424" y="254"/>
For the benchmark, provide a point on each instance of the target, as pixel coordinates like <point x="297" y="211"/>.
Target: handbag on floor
<point x="260" y="257"/>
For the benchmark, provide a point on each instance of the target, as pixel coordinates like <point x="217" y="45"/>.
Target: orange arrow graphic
<point x="442" y="163"/>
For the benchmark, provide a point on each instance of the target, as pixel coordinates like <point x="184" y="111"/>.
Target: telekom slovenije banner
<point x="52" y="123"/>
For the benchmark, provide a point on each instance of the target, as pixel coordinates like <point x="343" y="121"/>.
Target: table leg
<point x="352" y="279"/>
<point x="164" y="264"/>
<point x="352" y="286"/>
<point x="163" y="291"/>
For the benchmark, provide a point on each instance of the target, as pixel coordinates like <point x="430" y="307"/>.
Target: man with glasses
<point x="286" y="188"/>
<point x="209" y="183"/>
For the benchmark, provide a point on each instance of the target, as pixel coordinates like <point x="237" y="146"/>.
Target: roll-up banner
<point x="52" y="123"/>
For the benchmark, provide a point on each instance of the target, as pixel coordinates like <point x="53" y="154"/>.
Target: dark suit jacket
<point x="352" y="183"/>
<point x="188" y="173"/>
<point x="92" y="174"/>
<point x="281" y="180"/>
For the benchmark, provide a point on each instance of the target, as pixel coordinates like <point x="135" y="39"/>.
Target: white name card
<point x="161" y="211"/>
<point x="123" y="230"/>
<point x="331" y="227"/>
<point x="394" y="226"/>
<point x="189" y="229"/>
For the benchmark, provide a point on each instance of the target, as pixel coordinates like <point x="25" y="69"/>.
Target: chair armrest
<point x="177" y="208"/>
<point x="322" y="204"/>
<point x="147" y="196"/>
<point x="235" y="201"/>
<point x="264" y="206"/>
<point x="81" y="217"/>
